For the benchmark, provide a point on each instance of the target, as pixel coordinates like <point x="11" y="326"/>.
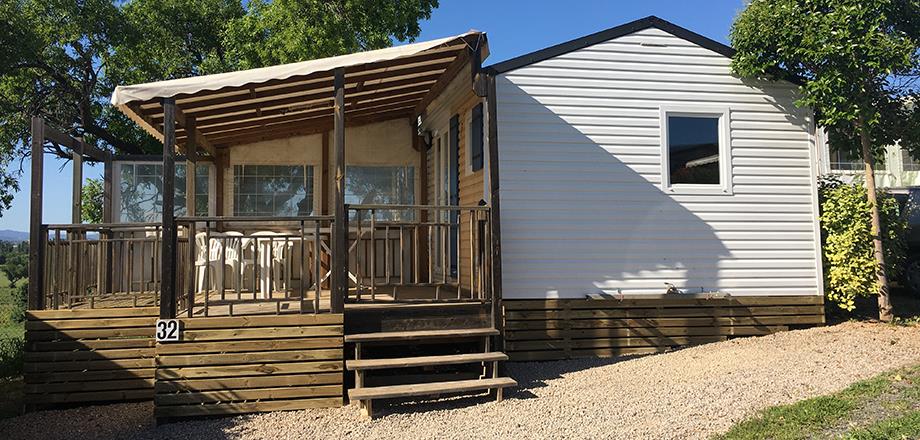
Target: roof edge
<point x="609" y="34"/>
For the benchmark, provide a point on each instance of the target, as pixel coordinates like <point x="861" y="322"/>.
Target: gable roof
<point x="609" y="34"/>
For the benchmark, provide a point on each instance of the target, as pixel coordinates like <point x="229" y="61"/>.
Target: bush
<point x="11" y="349"/>
<point x="848" y="255"/>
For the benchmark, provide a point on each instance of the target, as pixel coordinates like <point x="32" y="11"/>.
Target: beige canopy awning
<point x="293" y="99"/>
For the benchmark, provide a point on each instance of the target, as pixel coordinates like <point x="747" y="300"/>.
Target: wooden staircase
<point x="360" y="365"/>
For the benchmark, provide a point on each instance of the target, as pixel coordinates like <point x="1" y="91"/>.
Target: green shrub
<point x="848" y="255"/>
<point x="11" y="349"/>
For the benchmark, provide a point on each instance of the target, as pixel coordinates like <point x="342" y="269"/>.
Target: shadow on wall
<point x="576" y="219"/>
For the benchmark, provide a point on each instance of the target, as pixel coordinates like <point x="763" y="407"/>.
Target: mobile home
<point x="619" y="193"/>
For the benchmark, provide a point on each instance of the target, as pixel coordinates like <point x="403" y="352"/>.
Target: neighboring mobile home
<point x="620" y="193"/>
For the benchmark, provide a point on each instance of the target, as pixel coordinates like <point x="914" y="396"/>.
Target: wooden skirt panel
<point x="571" y="328"/>
<point x="233" y="365"/>
<point x="89" y="356"/>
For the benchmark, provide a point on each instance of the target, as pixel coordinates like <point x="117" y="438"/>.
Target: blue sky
<point x="514" y="28"/>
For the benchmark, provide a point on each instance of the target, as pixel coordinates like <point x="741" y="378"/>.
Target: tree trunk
<point x="884" y="302"/>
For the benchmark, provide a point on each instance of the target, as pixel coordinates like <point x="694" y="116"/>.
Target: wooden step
<point x="423" y="334"/>
<point x="420" y="361"/>
<point x="422" y="389"/>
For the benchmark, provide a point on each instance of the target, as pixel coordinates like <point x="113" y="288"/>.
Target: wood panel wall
<point x="573" y="328"/>
<point x="87" y="356"/>
<point x="232" y="365"/>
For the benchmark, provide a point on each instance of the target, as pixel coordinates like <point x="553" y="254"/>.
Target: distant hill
<point x="9" y="235"/>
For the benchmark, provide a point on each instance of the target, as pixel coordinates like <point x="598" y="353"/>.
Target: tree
<point x="856" y="62"/>
<point x="61" y="59"/>
<point x="92" y="199"/>
<point x="16" y="267"/>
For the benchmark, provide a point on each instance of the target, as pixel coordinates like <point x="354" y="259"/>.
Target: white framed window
<point x="381" y="185"/>
<point x="696" y="150"/>
<point x="273" y="190"/>
<point x="139" y="191"/>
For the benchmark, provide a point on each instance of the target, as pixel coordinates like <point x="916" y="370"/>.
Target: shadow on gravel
<point x="534" y="375"/>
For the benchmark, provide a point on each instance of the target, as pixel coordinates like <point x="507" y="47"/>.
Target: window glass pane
<point x="693" y="150"/>
<point x="272" y="190"/>
<point x="910" y="164"/>
<point x="140" y="187"/>
<point x="842" y="161"/>
<point x="381" y="185"/>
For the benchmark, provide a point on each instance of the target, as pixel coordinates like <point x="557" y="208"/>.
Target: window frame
<point x="725" y="168"/>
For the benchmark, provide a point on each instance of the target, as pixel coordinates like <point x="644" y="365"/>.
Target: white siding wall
<point x="580" y="169"/>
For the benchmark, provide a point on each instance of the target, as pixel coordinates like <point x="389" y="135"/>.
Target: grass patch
<point x="903" y="427"/>
<point x="885" y="406"/>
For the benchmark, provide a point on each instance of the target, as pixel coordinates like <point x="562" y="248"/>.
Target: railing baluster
<point x="373" y="271"/>
<point x="190" y="285"/>
<point x="317" y="262"/>
<point x="303" y="266"/>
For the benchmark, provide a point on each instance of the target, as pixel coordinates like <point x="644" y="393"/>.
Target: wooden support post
<point x="340" y="237"/>
<point x="36" y="240"/>
<point x="495" y="211"/>
<point x="76" y="215"/>
<point x="169" y="254"/>
<point x="419" y="145"/>
<point x="324" y="173"/>
<point x="191" y="162"/>
<point x="219" y="176"/>
<point x="108" y="218"/>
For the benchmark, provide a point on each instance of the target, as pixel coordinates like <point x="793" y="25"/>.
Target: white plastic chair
<point x="277" y="257"/>
<point x="208" y="255"/>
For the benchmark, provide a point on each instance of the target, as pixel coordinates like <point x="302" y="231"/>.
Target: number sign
<point x="167" y="330"/>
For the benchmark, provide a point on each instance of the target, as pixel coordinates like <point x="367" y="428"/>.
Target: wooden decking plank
<point x="247" y="346"/>
<point x="166" y="386"/>
<point x="92" y="313"/>
<point x="458" y="386"/>
<point x="90" y="323"/>
<point x="422" y="334"/>
<point x="248" y="358"/>
<point x="262" y="333"/>
<point x="95" y="396"/>
<point x="376" y="364"/>
<point x="299" y="320"/>
<point x="76" y="376"/>
<point x="88" y="355"/>
<point x="248" y="370"/>
<point x="236" y="395"/>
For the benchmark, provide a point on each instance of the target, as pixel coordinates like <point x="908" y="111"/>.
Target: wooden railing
<point x="420" y="253"/>
<point x="241" y="265"/>
<point x="100" y="265"/>
<point x="254" y="265"/>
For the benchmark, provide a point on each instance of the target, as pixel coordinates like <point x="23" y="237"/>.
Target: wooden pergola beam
<point x="234" y="122"/>
<point x="315" y="120"/>
<point x="203" y="115"/>
<point x="189" y="123"/>
<point x="443" y="81"/>
<point x="326" y="125"/>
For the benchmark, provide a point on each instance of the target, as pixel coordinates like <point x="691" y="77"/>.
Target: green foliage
<point x="61" y="59"/>
<point x="857" y="61"/>
<point x="850" y="268"/>
<point x="11" y="350"/>
<point x="92" y="201"/>
<point x="16" y="267"/>
<point x="283" y="31"/>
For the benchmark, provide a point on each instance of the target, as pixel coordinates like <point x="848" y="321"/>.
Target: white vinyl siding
<point x="582" y="208"/>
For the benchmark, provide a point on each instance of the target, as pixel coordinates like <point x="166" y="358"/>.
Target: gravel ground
<point x="690" y="393"/>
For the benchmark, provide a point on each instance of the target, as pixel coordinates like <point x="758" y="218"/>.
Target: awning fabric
<point x="245" y="101"/>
